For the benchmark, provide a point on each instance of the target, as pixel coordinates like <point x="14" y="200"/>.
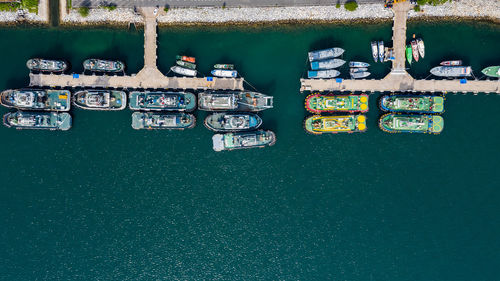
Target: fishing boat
<point x="409" y="55"/>
<point x="318" y="124"/>
<point x="375" y="51"/>
<point x="325" y="54"/>
<point x="316" y="74"/>
<point x="38" y="120"/>
<point x="492" y="71"/>
<point x="169" y="101"/>
<point x="224" y="66"/>
<point x="186" y="64"/>
<point x="232" y="122"/>
<point x="412" y="103"/>
<point x="186" y="59"/>
<point x="407" y="123"/>
<point x="358" y="64"/>
<point x="224" y="73"/>
<point x="233" y="101"/>
<point x="100" y="100"/>
<point x="319" y="103"/>
<point x="451" y="63"/>
<point x="37" y="99"/>
<point x="381" y="51"/>
<point x="327" y="64"/>
<point x="103" y="65"/>
<point x="358" y="69"/>
<point x="359" y="75"/>
<point x="414" y="50"/>
<point x="46" y="65"/>
<point x="241" y="140"/>
<point x="421" y="47"/>
<point x="159" y="120"/>
<point x="452" y="71"/>
<point x="183" y="71"/>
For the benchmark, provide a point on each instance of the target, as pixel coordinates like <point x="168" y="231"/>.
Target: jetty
<point x="399" y="80"/>
<point x="149" y="77"/>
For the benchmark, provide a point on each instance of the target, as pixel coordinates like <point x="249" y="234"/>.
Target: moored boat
<point x="37" y="64"/>
<point x="316" y="74"/>
<point x="421" y="47"/>
<point x="358" y="69"/>
<point x="318" y="124"/>
<point x="325" y="54"/>
<point x="38" y="120"/>
<point x="186" y="58"/>
<point x="381" y="51"/>
<point x="232" y="122"/>
<point x="406" y="123"/>
<point x="224" y="66"/>
<point x="241" y="140"/>
<point x="100" y="99"/>
<point x="451" y="63"/>
<point x="327" y="64"/>
<point x="409" y="54"/>
<point x="452" y="71"/>
<point x="414" y="50"/>
<point x="492" y="71"/>
<point x="183" y="71"/>
<point x="374" y="50"/>
<point x="224" y="73"/>
<point x="37" y="99"/>
<point x="103" y="65"/>
<point x="233" y="101"/>
<point x="358" y="64"/>
<point x="359" y="75"/>
<point x="186" y="64"/>
<point x="171" y="120"/>
<point x="318" y="103"/>
<point x="169" y="101"/>
<point x="412" y="103"/>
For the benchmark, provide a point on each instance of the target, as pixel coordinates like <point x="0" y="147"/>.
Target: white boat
<point x="358" y="64"/>
<point x="452" y="71"/>
<point x="358" y="75"/>
<point x="421" y="47"/>
<point x="329" y="73"/>
<point x="224" y="73"/>
<point x="326" y="64"/>
<point x="381" y="51"/>
<point x="325" y="54"/>
<point x="183" y="71"/>
<point x="358" y="69"/>
<point x="374" y="51"/>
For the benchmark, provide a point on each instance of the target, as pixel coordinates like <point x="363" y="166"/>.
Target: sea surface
<point x="106" y="202"/>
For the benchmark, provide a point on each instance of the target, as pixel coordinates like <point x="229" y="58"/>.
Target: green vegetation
<point x="30" y="5"/>
<point x="69" y="5"/>
<point x="9" y="7"/>
<point x="111" y="7"/>
<point x="165" y="9"/>
<point x="83" y="11"/>
<point x="431" y="2"/>
<point x="351" y="6"/>
<point x="417" y="8"/>
<point x="337" y="6"/>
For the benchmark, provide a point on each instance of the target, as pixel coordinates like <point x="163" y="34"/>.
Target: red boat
<point x="414" y="49"/>
<point x="451" y="63"/>
<point x="188" y="59"/>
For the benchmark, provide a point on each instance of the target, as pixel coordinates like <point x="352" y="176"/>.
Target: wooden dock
<point x="398" y="80"/>
<point x="149" y="77"/>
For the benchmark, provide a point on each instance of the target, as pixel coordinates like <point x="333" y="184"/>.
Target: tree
<point x="83" y="11"/>
<point x="351" y="5"/>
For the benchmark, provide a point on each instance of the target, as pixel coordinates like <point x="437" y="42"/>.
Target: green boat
<point x="37" y="99"/>
<point x="173" y="120"/>
<point x="412" y="103"/>
<point x="38" y="120"/>
<point x="224" y="66"/>
<point x="492" y="71"/>
<point x="100" y="100"/>
<point x="103" y="65"/>
<point x="318" y="124"/>
<point x="318" y="103"/>
<point x="407" y="123"/>
<point x="186" y="64"/>
<point x="409" y="54"/>
<point x="242" y="140"/>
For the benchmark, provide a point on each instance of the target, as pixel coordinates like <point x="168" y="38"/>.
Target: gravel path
<point x="12" y="17"/>
<point x="97" y="16"/>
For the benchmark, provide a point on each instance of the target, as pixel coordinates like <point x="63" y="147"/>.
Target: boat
<point x="319" y="103"/>
<point x="224" y="73"/>
<point x="358" y="69"/>
<point x="408" y="123"/>
<point x="381" y="51"/>
<point x="183" y="71"/>
<point x="421" y="47"/>
<point x="358" y="64"/>
<point x="451" y="63"/>
<point x="103" y="65"/>
<point x="186" y="64"/>
<point x="316" y="74"/>
<point x="325" y="54"/>
<point x="231" y="122"/>
<point x="224" y="66"/>
<point x="412" y="103"/>
<point x="318" y="124"/>
<point x="375" y="51"/>
<point x="414" y="50"/>
<point x="241" y="140"/>
<point x="233" y="101"/>
<point x="452" y="71"/>
<point x="409" y="55"/>
<point x="38" y="120"/>
<point x="159" y="120"/>
<point x="359" y="75"/>
<point x="100" y="100"/>
<point x="169" y="101"/>
<point x="327" y="64"/>
<point x="46" y="65"/>
<point x="492" y="71"/>
<point x="37" y="99"/>
<point x="186" y="59"/>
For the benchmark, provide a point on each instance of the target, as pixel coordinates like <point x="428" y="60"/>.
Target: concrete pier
<point x="149" y="77"/>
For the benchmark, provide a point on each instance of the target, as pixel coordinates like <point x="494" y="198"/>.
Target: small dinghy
<point x="359" y="75"/>
<point x="421" y="47"/>
<point x="409" y="55"/>
<point x="451" y="63"/>
<point x="381" y="51"/>
<point x="414" y="50"/>
<point x="358" y="69"/>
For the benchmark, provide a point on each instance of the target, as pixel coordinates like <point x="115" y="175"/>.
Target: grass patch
<point x="432" y="2"/>
<point x="337" y="5"/>
<point x="416" y="8"/>
<point x="69" y="4"/>
<point x="351" y="6"/>
<point x="30" y="5"/>
<point x="110" y="7"/>
<point x="165" y="9"/>
<point x="83" y="11"/>
<point x="9" y="7"/>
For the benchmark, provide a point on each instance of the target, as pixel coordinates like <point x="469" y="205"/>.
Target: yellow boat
<point x="318" y="124"/>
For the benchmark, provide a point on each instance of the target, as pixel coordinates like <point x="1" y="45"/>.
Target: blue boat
<point x="224" y="73"/>
<point x="327" y="64"/>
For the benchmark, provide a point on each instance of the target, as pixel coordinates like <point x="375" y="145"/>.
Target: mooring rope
<point x="245" y="81"/>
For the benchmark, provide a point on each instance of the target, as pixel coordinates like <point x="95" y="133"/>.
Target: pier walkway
<point x="398" y="80"/>
<point x="149" y="77"/>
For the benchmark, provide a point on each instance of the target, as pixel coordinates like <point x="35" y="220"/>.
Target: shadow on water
<point x="54" y="12"/>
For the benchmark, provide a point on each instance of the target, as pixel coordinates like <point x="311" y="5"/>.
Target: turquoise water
<point x="105" y="202"/>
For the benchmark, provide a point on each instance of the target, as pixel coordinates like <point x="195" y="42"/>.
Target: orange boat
<point x="188" y="59"/>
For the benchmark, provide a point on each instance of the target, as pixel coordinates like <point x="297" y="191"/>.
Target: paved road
<point x="211" y="3"/>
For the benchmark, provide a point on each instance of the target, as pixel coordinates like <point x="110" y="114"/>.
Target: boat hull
<point x="318" y="124"/>
<point x="243" y="140"/>
<point x="157" y="101"/>
<point x="325" y="54"/>
<point x="421" y="47"/>
<point x="183" y="71"/>
<point x="381" y="51"/>
<point x="406" y="123"/>
<point x="186" y="64"/>
<point x="358" y="64"/>
<point x="233" y="101"/>
<point x="224" y="73"/>
<point x="159" y="121"/>
<point x="46" y="65"/>
<point x="100" y="100"/>
<point x="36" y="99"/>
<point x="414" y="50"/>
<point x="38" y="120"/>
<point x="359" y="75"/>
<point x="452" y="71"/>
<point x="412" y="104"/>
<point x="492" y="71"/>
<point x="409" y="54"/>
<point x="232" y="122"/>
<point x="186" y="59"/>
<point x="322" y="74"/>
<point x="224" y="66"/>
<point x="318" y="103"/>
<point x="374" y="51"/>
<point x="327" y="64"/>
<point x="451" y="63"/>
<point x="99" y="65"/>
